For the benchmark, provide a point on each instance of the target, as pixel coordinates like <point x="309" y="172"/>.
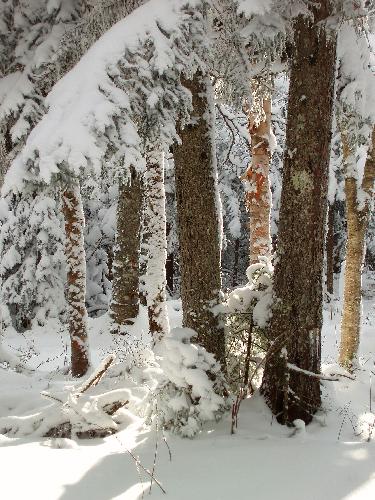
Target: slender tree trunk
<point x="169" y="266"/>
<point x="155" y="279"/>
<point x="124" y="305"/>
<point x="198" y="222"/>
<point x="295" y="327"/>
<point x="258" y="197"/>
<point x="76" y="279"/>
<point x="235" y="263"/>
<point x="330" y="248"/>
<point x="357" y="222"/>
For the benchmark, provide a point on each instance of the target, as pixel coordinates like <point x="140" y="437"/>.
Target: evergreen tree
<point x="124" y="306"/>
<point x="198" y="221"/>
<point x="76" y="278"/>
<point x="295" y="328"/>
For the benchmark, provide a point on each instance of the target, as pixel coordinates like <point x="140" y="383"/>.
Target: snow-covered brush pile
<point x="190" y="386"/>
<point x="248" y="310"/>
<point x="81" y="411"/>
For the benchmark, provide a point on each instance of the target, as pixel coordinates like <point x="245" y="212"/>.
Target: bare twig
<point x="97" y="376"/>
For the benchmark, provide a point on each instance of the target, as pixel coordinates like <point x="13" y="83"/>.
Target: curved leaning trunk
<point x="198" y="222"/>
<point x="155" y="277"/>
<point x="76" y="279"/>
<point x="357" y="222"/>
<point x="124" y="306"/>
<point x="258" y="197"/>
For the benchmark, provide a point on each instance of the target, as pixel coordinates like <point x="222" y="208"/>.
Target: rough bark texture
<point x="330" y="248"/>
<point x="157" y="246"/>
<point x="357" y="222"/>
<point x="297" y="314"/>
<point x="198" y="224"/>
<point x="124" y="305"/>
<point x="258" y="197"/>
<point x="76" y="279"/>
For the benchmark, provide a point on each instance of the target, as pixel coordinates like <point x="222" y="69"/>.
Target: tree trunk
<point x="198" y="222"/>
<point x="357" y="222"/>
<point x="76" y="279"/>
<point x="169" y="266"/>
<point x="124" y="305"/>
<point x="235" y="263"/>
<point x="295" y="327"/>
<point x="258" y="197"/>
<point x="155" y="279"/>
<point x="330" y="248"/>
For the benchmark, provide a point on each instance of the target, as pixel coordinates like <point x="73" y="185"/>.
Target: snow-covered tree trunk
<point x="198" y="221"/>
<point x="295" y="327"/>
<point x="155" y="279"/>
<point x="124" y="305"/>
<point x="76" y="278"/>
<point x="258" y="196"/>
<point x="358" y="213"/>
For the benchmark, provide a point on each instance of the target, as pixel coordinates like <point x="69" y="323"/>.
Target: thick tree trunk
<point x="295" y="327"/>
<point x="330" y="249"/>
<point x="357" y="222"/>
<point x="258" y="197"/>
<point x="76" y="279"/>
<point x="155" y="279"/>
<point x="124" y="305"/>
<point x="198" y="222"/>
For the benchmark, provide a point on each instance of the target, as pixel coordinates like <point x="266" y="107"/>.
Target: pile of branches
<point x="73" y="413"/>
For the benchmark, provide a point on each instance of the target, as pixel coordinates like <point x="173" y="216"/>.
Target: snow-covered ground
<point x="330" y="460"/>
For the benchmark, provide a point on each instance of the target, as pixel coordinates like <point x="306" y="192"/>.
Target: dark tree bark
<point x="198" y="224"/>
<point x="124" y="305"/>
<point x="330" y="249"/>
<point x="76" y="279"/>
<point x="235" y="263"/>
<point x="169" y="266"/>
<point x="295" y="327"/>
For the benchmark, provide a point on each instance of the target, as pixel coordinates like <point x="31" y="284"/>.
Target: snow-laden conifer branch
<point x="97" y="109"/>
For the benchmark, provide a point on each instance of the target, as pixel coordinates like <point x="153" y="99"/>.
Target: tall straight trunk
<point x="155" y="279"/>
<point x="198" y="222"/>
<point x="169" y="265"/>
<point x="295" y="328"/>
<point x="330" y="249"/>
<point x="258" y="197"/>
<point x="124" y="305"/>
<point x="357" y="222"/>
<point x="76" y="279"/>
<point x="235" y="263"/>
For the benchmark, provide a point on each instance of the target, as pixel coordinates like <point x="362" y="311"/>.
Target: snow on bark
<point x="357" y="223"/>
<point x="155" y="278"/>
<point x="76" y="279"/>
<point x="258" y="195"/>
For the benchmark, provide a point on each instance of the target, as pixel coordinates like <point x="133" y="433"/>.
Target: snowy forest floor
<point x="331" y="460"/>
